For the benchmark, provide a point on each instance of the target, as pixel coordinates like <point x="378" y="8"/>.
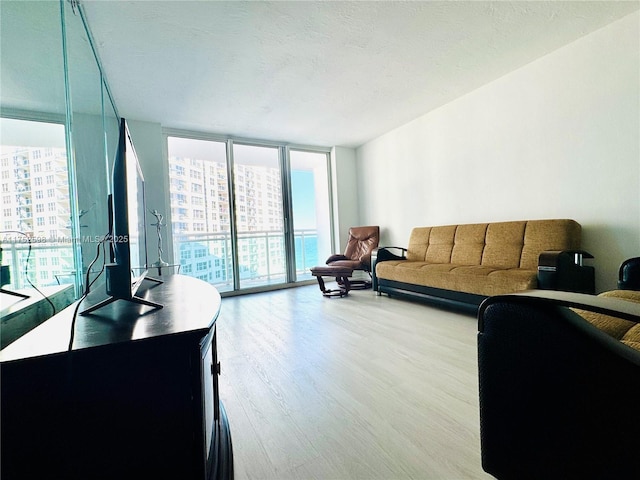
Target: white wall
<point x="344" y="179"/>
<point x="558" y="138"/>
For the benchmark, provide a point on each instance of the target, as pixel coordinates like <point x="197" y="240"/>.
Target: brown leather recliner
<point x="357" y="255"/>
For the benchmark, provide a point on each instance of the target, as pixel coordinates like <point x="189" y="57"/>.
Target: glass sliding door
<point x="311" y="210"/>
<point x="200" y="210"/>
<point x="259" y="215"/>
<point x="247" y="215"/>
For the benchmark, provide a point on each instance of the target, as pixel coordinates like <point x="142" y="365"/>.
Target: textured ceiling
<point x="319" y="72"/>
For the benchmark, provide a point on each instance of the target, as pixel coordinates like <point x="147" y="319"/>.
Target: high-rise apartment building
<point x="200" y="197"/>
<point x="35" y="210"/>
<point x="201" y="224"/>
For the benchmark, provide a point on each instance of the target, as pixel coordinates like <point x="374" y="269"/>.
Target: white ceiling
<point x="320" y="72"/>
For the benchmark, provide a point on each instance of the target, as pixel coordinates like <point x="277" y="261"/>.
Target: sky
<point x="303" y="193"/>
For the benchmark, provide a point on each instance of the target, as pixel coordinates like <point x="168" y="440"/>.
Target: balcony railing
<point x="261" y="257"/>
<point x="39" y="270"/>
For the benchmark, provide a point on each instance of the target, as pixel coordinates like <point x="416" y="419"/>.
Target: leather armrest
<point x="366" y="259"/>
<point x="605" y="305"/>
<point x="549" y="379"/>
<point x="336" y="257"/>
<point x="382" y="253"/>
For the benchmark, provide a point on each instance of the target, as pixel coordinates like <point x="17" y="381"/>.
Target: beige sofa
<point x="461" y="265"/>
<point x="625" y="331"/>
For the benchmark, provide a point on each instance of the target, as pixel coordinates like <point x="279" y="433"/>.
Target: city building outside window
<point x="256" y="180"/>
<point x="20" y="164"/>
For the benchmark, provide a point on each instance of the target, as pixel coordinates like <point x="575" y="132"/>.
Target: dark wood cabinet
<point x="135" y="397"/>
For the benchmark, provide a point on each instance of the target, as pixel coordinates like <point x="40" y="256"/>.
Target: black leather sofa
<point x="558" y="396"/>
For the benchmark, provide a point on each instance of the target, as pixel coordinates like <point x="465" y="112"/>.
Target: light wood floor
<point x="361" y="387"/>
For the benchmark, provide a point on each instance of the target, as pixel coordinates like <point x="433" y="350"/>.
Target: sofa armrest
<point x="552" y="386"/>
<point x="605" y="305"/>
<point x="382" y="254"/>
<point x="336" y="257"/>
<point x="564" y="270"/>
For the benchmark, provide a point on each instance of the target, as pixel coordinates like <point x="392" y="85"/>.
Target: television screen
<point x="136" y="215"/>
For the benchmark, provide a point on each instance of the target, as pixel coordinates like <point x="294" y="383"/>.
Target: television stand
<point x="133" y="299"/>
<point x="152" y="279"/>
<point x="136" y="396"/>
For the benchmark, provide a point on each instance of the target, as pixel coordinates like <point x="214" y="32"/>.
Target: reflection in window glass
<point x="28" y="149"/>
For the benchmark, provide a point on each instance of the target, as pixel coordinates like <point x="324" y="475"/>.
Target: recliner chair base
<point x="341" y="275"/>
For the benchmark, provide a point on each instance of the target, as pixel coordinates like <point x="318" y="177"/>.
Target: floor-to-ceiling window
<point x="246" y="215"/>
<point x="259" y="215"/>
<point x="200" y="210"/>
<point x="311" y="209"/>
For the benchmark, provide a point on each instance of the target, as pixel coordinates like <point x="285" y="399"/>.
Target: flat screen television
<point x="127" y="224"/>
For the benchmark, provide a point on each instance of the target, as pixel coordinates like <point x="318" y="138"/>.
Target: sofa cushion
<point x="503" y="244"/>
<point x="417" y="273"/>
<point x="511" y="280"/>
<point x="541" y="235"/>
<point x="469" y="244"/>
<point x="626" y="331"/>
<point x="440" y="244"/>
<point x="476" y="279"/>
<point x="487" y="281"/>
<point x="418" y="243"/>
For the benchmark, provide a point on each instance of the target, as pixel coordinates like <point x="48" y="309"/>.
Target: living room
<point x="556" y="137"/>
<point x="375" y="387"/>
<point x="553" y="139"/>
